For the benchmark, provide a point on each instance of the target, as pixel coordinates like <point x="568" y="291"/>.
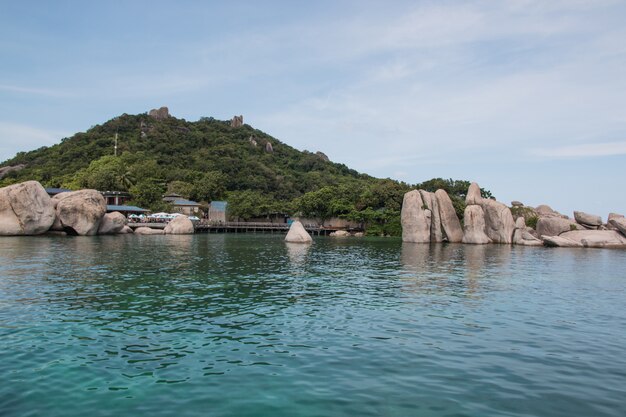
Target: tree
<point x="148" y="194"/>
<point x="211" y="186"/>
<point x="248" y="204"/>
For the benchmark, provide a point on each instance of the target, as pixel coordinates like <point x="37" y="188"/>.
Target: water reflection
<point x="297" y="253"/>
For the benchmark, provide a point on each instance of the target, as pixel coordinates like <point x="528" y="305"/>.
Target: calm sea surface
<point x="246" y="325"/>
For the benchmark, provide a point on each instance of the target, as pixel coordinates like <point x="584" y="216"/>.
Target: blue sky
<point x="528" y="98"/>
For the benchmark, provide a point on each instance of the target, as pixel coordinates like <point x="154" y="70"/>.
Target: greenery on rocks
<point x="209" y="160"/>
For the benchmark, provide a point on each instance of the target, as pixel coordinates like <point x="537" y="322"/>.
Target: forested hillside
<point x="209" y="160"/>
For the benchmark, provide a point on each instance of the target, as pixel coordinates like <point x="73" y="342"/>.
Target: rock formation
<point x="522" y="235"/>
<point x="159" y="114"/>
<point x="80" y="212"/>
<point x="587" y="220"/>
<point x="474" y="226"/>
<point x="473" y="195"/>
<point x="516" y="203"/>
<point x="179" y="225"/>
<point x="561" y="242"/>
<point x="237" y="121"/>
<point x="25" y="209"/>
<point x="449" y="221"/>
<point x="252" y="140"/>
<point x="269" y="148"/>
<point x="596" y="238"/>
<point x="298" y="234"/>
<point x="430" y="202"/>
<point x="415" y="218"/>
<point x="554" y="226"/>
<point x="618" y="223"/>
<point x="322" y="156"/>
<point x="544" y="210"/>
<point x="499" y="223"/>
<point x="126" y="230"/>
<point x="14" y="168"/>
<point x="112" y="223"/>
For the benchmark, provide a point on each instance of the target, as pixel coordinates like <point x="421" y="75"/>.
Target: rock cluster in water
<point x="26" y="209"/>
<point x="428" y="217"/>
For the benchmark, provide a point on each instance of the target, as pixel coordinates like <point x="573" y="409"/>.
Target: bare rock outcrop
<point x="298" y="234"/>
<point x="587" y="219"/>
<point x="12" y="168"/>
<point x="25" y="209"/>
<point x="415" y="218"/>
<point x="269" y="148"/>
<point x="179" y="225"/>
<point x="340" y="233"/>
<point x="236" y="121"/>
<point x="554" y="226"/>
<point x="560" y="242"/>
<point x="80" y="212"/>
<point x="159" y="114"/>
<point x="449" y="221"/>
<point x="597" y="238"/>
<point x="112" y="223"/>
<point x="474" y="225"/>
<point x="322" y="156"/>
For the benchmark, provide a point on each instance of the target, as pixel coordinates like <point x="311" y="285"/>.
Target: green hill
<point x="208" y="160"/>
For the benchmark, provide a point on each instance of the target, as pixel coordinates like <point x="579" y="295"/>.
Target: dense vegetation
<point x="209" y="160"/>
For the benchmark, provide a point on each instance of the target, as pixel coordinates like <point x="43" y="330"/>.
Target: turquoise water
<point x="245" y="325"/>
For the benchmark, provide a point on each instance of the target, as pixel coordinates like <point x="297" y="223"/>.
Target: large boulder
<point x="554" y="226"/>
<point x="415" y="218"/>
<point x="431" y="202"/>
<point x="473" y="195"/>
<point x="298" y="234"/>
<point x="112" y="223"/>
<point x="560" y="242"/>
<point x="618" y="223"/>
<point x="25" y="209"/>
<point x="499" y="223"/>
<point x="80" y="212"/>
<point x="449" y="221"/>
<point x="340" y="233"/>
<point x="179" y="225"/>
<point x="596" y="238"/>
<point x="474" y="226"/>
<point x="546" y="211"/>
<point x="587" y="219"/>
<point x="148" y="231"/>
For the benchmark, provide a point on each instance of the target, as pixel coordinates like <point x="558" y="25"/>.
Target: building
<point x="115" y="197"/>
<point x="126" y="210"/>
<point x="217" y="211"/>
<point x="182" y="205"/>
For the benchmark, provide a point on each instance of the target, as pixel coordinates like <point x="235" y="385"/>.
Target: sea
<point x="248" y="325"/>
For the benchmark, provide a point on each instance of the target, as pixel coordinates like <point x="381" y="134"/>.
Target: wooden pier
<point x="244" y="227"/>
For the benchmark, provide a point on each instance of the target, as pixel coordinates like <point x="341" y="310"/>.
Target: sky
<point x="525" y="97"/>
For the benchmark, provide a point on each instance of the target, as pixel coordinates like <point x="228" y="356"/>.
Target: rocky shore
<point x="430" y="217"/>
<point x="26" y="209"/>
